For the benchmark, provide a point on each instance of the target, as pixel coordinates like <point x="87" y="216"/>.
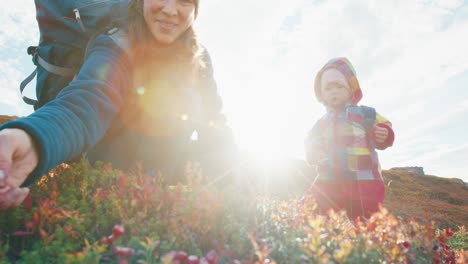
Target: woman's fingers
<point x="3" y="179"/>
<point x="13" y="198"/>
<point x="18" y="158"/>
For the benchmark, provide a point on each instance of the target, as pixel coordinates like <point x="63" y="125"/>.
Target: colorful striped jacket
<point x="341" y="144"/>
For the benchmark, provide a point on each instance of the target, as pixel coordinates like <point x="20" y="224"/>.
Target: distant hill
<point x="408" y="194"/>
<point x="411" y="195"/>
<point x="5" y="118"/>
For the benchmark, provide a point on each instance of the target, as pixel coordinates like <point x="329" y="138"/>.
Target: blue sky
<point x="410" y="57"/>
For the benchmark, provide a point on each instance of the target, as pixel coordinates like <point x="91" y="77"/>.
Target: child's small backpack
<point x="369" y="114"/>
<point x="66" y="27"/>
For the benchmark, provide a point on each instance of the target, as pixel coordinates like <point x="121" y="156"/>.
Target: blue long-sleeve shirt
<point x="86" y="115"/>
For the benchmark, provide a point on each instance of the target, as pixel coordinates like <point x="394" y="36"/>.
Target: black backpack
<point x="66" y="27"/>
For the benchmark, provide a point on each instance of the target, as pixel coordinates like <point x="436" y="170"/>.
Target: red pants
<point x="358" y="198"/>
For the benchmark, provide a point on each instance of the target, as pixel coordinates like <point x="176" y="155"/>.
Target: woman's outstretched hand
<point x="18" y="158"/>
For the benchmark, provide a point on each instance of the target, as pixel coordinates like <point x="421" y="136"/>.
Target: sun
<point x="264" y="120"/>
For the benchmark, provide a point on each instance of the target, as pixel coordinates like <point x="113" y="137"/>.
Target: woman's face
<point x="168" y="19"/>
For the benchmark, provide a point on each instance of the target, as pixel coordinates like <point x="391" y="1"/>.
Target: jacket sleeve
<point x="213" y="131"/>
<point x="79" y="116"/>
<point x="315" y="146"/>
<point x="211" y="99"/>
<point x="383" y="122"/>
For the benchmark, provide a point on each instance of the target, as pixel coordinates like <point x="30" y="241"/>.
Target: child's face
<point x="335" y="89"/>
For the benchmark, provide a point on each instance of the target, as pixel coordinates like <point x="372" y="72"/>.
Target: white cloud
<point x="18" y="30"/>
<point x="10" y="78"/>
<point x="437" y="152"/>
<point x="445" y="118"/>
<point x="18" y="24"/>
<point x="449" y="4"/>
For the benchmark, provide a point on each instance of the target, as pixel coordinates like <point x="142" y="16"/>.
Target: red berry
<point x="109" y="240"/>
<point x="118" y="230"/>
<point x="181" y="256"/>
<point x="406" y="244"/>
<point x="211" y="257"/>
<point x="193" y="260"/>
<point x="448" y="232"/>
<point x="123" y="252"/>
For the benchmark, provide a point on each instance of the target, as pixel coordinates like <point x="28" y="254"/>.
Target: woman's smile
<point x="166" y="25"/>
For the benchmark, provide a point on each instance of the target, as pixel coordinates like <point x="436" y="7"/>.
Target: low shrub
<point x="78" y="214"/>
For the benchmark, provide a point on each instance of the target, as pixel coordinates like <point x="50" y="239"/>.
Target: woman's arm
<point x="82" y="112"/>
<point x="213" y="130"/>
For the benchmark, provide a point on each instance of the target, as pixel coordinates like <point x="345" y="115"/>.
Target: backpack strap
<point x="120" y="37"/>
<point x="23" y="85"/>
<point x="369" y="115"/>
<point x="61" y="71"/>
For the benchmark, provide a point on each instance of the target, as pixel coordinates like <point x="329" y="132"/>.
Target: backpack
<point x="369" y="114"/>
<point x="66" y="27"/>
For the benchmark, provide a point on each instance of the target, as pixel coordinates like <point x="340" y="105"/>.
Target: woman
<point x="137" y="99"/>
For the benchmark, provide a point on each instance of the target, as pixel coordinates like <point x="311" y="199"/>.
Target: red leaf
<point x="123" y="181"/>
<point x="27" y="202"/>
<point x="22" y="233"/>
<point x="35" y="218"/>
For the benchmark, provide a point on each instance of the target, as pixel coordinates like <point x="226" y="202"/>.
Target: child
<point x="342" y="144"/>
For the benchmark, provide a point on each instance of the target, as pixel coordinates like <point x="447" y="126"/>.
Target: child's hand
<point x="380" y="134"/>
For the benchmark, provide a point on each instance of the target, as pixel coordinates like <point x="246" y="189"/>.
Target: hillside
<point x="411" y="195"/>
<point x="4" y="118"/>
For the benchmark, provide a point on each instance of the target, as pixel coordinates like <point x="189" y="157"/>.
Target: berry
<point x="109" y="240"/>
<point x="123" y="252"/>
<point x="118" y="230"/>
<point x="448" y="232"/>
<point x="181" y="256"/>
<point x="193" y="260"/>
<point x="406" y="244"/>
<point x="211" y="257"/>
